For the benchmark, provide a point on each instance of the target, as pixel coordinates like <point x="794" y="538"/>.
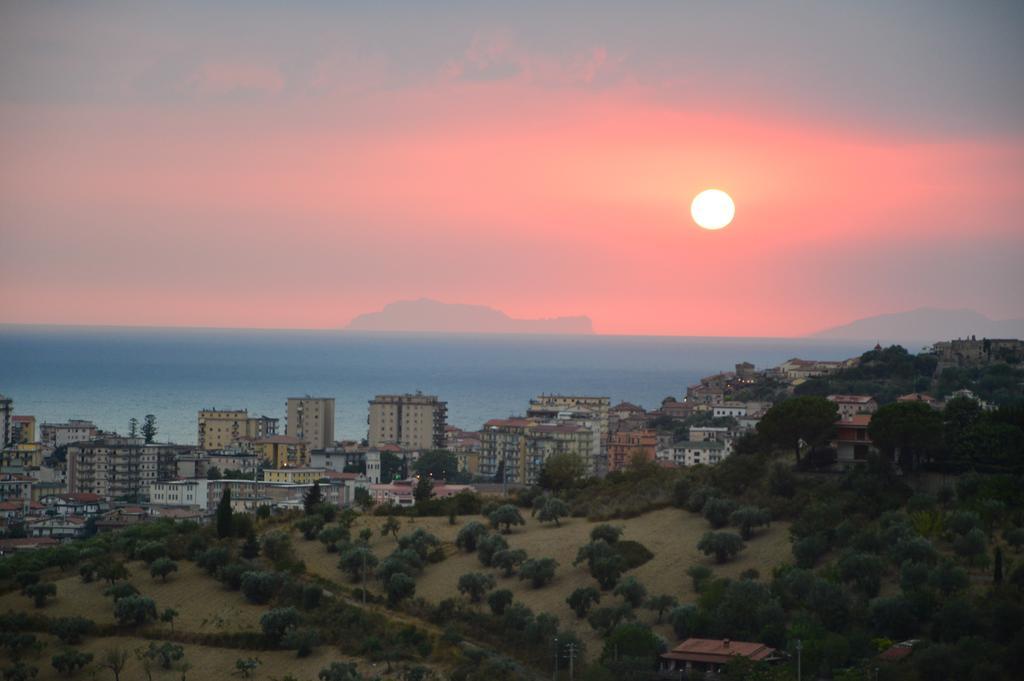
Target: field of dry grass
<point x="671" y="534"/>
<point x="208" y="663"/>
<point x="202" y="603"/>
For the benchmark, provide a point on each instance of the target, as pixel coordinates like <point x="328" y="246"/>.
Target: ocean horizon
<point x="109" y="374"/>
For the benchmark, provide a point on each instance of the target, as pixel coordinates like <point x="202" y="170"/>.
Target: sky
<point x="292" y="165"/>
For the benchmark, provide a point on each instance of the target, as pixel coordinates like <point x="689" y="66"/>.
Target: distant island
<point x="926" y="325"/>
<point x="432" y="316"/>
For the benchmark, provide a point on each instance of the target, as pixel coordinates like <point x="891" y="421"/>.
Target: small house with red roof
<point x="712" y="654"/>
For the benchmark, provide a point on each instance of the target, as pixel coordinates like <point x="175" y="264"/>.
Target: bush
<point x="164" y="655"/>
<point x="40" y="592"/>
<point x="717" y="511"/>
<point x="120" y="590"/>
<point x="475" y="585"/>
<point x="231" y="574"/>
<point x="312" y="594"/>
<point x="971" y="545"/>
<point x="150" y="551"/>
<point x="213" y="559"/>
<point x="302" y="640"/>
<point x="749" y="517"/>
<point x="469" y="535"/>
<point x="161" y="567"/>
<point x="631" y="591"/>
<point x="499" y="600"/>
<point x="332" y="537"/>
<point x="259" y="587"/>
<point x="400" y="587"/>
<point x="722" y="545"/>
<point x="71" y="630"/>
<point x="582" y="599"/>
<point x="808" y="550"/>
<point x="962" y="522"/>
<point x="605" y="620"/>
<point x="357" y="560"/>
<point x="699" y="574"/>
<point x="863" y="571"/>
<point x="70" y="662"/>
<point x="277" y="622"/>
<point x="488" y="546"/>
<point x="608" y="533"/>
<point x="277" y="547"/>
<point x="507" y="560"/>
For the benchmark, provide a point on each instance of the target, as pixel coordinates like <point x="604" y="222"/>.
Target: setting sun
<point x="712" y="209"/>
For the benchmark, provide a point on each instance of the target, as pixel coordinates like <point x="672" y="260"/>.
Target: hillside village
<point x="472" y="553"/>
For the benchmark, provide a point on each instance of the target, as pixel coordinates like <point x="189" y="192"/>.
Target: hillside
<point x="430" y="316"/>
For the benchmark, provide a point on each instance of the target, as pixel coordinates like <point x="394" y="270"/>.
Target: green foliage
<point x="40" y="592"/>
<point x="213" y="559"/>
<point x="605" y="564"/>
<point x="357" y="561"/>
<point x="605" y="620"/>
<point x="134" y="610"/>
<point x="505" y="517"/>
<point x="552" y="510"/>
<point x="634" y="554"/>
<point x="539" y="571"/>
<point x="863" y="571"/>
<point x="277" y="622"/>
<point x="605" y="532"/>
<point x="499" y="600"/>
<point x="71" y="630"/>
<point x="894" y="617"/>
<point x="277" y="547"/>
<point x="749" y="517"/>
<point x="582" y="599"/>
<point x="507" y="560"/>
<point x="722" y="545"/>
<point x="303" y="640"/>
<point x="475" y="585"/>
<point x="631" y="591"/>
<point x="810" y="419"/>
<point x="972" y="546"/>
<point x="391" y="526"/>
<point x="561" y="471"/>
<point x="224" y="513"/>
<point x="912" y="428"/>
<point x="660" y="604"/>
<point x="400" y="587"/>
<point x="469" y="535"/>
<point x="332" y="537"/>
<point x="489" y="545"/>
<point x="69" y="662"/>
<point x="162" y="567"/>
<point x="310" y="526"/>
<point x="809" y="549"/>
<point x="164" y="655"/>
<point x="686" y="621"/>
<point x="699" y="574"/>
<point x="150" y="551"/>
<point x="948" y="579"/>
<point x="121" y="590"/>
<point x="246" y="667"/>
<point x="313" y="498"/>
<point x="259" y="586"/>
<point x="340" y="671"/>
<point x="718" y="510"/>
<point x="634" y="645"/>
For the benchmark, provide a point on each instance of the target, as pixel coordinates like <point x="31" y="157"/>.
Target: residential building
<point x="180" y="493"/>
<point x="56" y="435"/>
<point x="244" y="460"/>
<point x="626" y="446"/>
<point x="279" y="451"/>
<point x="851" y="405"/>
<point x="690" y="453"/>
<point x="248" y="495"/>
<point x="220" y="428"/>
<point x="23" y="430"/>
<point x="6" y="414"/>
<point x="60" y="527"/>
<point x="591" y="411"/>
<point x="465" y="445"/>
<point x="14" y="486"/>
<point x="922" y="397"/>
<point x="801" y="369"/>
<point x="409" y="421"/>
<point x="77" y="504"/>
<point x="852" y="442"/>
<point x="543" y="440"/>
<point x="119" y="467"/>
<point x="708" y="433"/>
<point x="293" y="476"/>
<point x="22" y="455"/>
<point x="311" y="419"/>
<point x="729" y="410"/>
<point x="712" y="656"/>
<point x="400" y="492"/>
<point x="502" y="449"/>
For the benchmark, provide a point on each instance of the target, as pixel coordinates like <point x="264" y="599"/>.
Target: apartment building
<point x="311" y="419"/>
<point x="55" y="435"/>
<point x="628" y="445"/>
<point x="521" y="446"/>
<point x="180" y="493"/>
<point x="411" y="421"/>
<point x="691" y="453"/>
<point x="119" y="467"/>
<point x="279" y="451"/>
<point x="293" y="476"/>
<point x="851" y="405"/>
<point x="6" y="414"/>
<point x="592" y="410"/>
<point x="219" y="428"/>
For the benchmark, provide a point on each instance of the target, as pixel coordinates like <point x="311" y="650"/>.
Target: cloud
<point x="236" y="76"/>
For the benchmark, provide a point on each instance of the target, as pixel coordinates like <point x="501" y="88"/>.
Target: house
<point x="293" y="476"/>
<point x="60" y="527"/>
<point x="851" y="405"/>
<point x="15" y="509"/>
<point x="75" y="503"/>
<point x="118" y="518"/>
<point x="921" y="397"/>
<point x="15" y="486"/>
<point x="729" y="410"/>
<point x="400" y="492"/>
<point x="711" y="655"/>
<point x="690" y="453"/>
<point x="9" y="546"/>
<point x="708" y="433"/>
<point x="626" y="446"/>
<point x="852" y="443"/>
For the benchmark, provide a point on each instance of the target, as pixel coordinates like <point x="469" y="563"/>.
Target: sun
<point x="712" y="209"/>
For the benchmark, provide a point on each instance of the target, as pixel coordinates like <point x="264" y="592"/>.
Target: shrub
<point x="499" y="600"/>
<point x="165" y="654"/>
<point x="400" y="586"/>
<point x="259" y="587"/>
<point x="634" y="554"/>
<point x="150" y="551"/>
<point x="71" y="630"/>
<point x="488" y="546"/>
<point x="749" y="517"/>
<point x="971" y="545"/>
<point x="312" y="594"/>
<point x="722" y="545"/>
<point x="277" y="547"/>
<point x="121" y="590"/>
<point x="808" y="550"/>
<point x="40" y="592"/>
<point x="631" y="591"/>
<point x="962" y="522"/>
<point x="302" y="640"/>
<point x="213" y="559"/>
<point x="507" y="560"/>
<point x="605" y="620"/>
<point x="915" y="549"/>
<point x="699" y="574"/>
<point x="161" y="567"/>
<point x="340" y="671"/>
<point x="606" y="532"/>
<point x="357" y="561"/>
<point x="276" y="623"/>
<point x="948" y="578"/>
<point x="539" y="571"/>
<point x="231" y="574"/>
<point x="332" y="537"/>
<point x="70" y="662"/>
<point x="310" y="526"/>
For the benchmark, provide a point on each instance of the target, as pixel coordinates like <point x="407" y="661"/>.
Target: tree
<point x="399" y="587"/>
<point x="357" y="561"/>
<point x="631" y="591"/>
<point x="303" y="640"/>
<point x="423" y="490"/>
<point x="168" y="616"/>
<point x="606" y="564"/>
<point x="631" y="645"/>
<point x="660" y="604"/>
<point x="115" y="660"/>
<point x="251" y="547"/>
<point x="390" y="526"/>
<point x="749" y="517"/>
<point x="164" y="655"/>
<point x="722" y="545"/>
<point x="507" y="515"/>
<point x="439" y="464"/>
<point x="71" y="630"/>
<point x="213" y="559"/>
<point x="134" y="610"/>
<point x="213" y="473"/>
<point x="605" y="620"/>
<point x="276" y="623"/>
<point x="808" y="419"/>
<point x="340" y="671"/>
<point x="499" y="600"/>
<point x="539" y="571"/>
<point x="162" y="567"/>
<point x="863" y="571"/>
<point x="488" y="546"/>
<point x="40" y="592"/>
<point x="245" y="668"/>
<point x="469" y="535"/>
<point x="475" y="585"/>
<point x="809" y="549"/>
<point x="910" y="429"/>
<point x="133" y="427"/>
<point x="686" y="621"/>
<point x="894" y="617"/>
<point x="608" y="533"/>
<point x="113" y="570"/>
<point x="224" y="514"/>
<point x="149" y="429"/>
<point x="561" y="471"/>
<point x="70" y="661"/>
<point x="363" y="498"/>
<point x="997" y="573"/>
<point x="310" y="526"/>
<point x="699" y="574"/>
<point x="582" y="599"/>
<point x="313" y="498"/>
<point x="120" y="590"/>
<point x="553" y="509"/>
<point x="972" y="546"/>
<point x="331" y="537"/>
<point x="507" y="560"/>
<point x="259" y="587"/>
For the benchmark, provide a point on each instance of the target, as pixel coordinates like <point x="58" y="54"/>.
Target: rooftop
<point x="718" y="650"/>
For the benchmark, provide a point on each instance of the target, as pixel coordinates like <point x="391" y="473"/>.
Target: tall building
<point x="311" y="419"/>
<point x="6" y="414"/>
<point x="409" y="421"/>
<point x="629" y="445"/>
<point x="120" y="467"/>
<point x="54" y="435"/>
<point x="520" y="447"/>
<point x="586" y="410"/>
<point x="219" y="428"/>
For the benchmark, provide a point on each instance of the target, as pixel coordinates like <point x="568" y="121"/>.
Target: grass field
<point x="671" y="534"/>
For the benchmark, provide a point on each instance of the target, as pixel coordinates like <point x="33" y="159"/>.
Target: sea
<point x="110" y="374"/>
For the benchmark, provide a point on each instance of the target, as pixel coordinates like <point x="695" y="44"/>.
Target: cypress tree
<point x="224" y="514"/>
<point x="313" y="498"/>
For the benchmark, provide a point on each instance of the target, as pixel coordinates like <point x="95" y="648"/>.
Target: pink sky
<point x="243" y="190"/>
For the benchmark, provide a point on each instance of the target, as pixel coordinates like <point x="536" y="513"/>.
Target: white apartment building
<point x="180" y="493"/>
<point x="687" y="453"/>
<point x="729" y="410"/>
<point x="54" y="435"/>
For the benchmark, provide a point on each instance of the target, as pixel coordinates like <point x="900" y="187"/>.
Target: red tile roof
<point x="717" y="650"/>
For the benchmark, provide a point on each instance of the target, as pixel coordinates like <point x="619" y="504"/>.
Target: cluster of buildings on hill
<point x="63" y="479"/>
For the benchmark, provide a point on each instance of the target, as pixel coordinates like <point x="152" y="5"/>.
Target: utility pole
<point x="364" y="577"/>
<point x="571" y="647"/>
<point x="799" y="660"/>
<point x="555" y="676"/>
